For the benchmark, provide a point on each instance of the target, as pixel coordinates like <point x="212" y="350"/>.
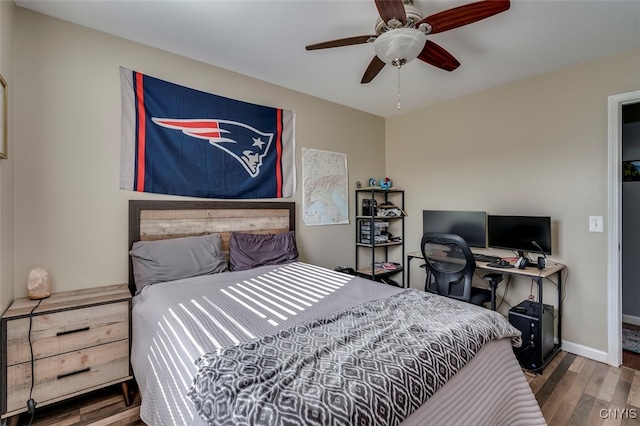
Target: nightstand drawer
<point x="66" y="374"/>
<point x="66" y="331"/>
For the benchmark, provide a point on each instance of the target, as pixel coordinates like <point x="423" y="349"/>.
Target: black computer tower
<point x="537" y="339"/>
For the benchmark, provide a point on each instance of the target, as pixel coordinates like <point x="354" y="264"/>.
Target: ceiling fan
<point x="401" y="33"/>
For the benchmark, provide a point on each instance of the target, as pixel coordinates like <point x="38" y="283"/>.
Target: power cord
<point x="531" y="297"/>
<point x="504" y="293"/>
<point x="31" y="404"/>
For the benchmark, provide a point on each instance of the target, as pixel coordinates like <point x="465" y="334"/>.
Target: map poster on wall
<point x="324" y="187"/>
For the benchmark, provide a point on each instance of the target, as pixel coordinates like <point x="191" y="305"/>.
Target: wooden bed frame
<point x="160" y="219"/>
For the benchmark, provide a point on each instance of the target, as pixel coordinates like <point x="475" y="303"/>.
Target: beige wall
<point x="7" y="166"/>
<point x="535" y="147"/>
<point x="538" y="146"/>
<point x="70" y="215"/>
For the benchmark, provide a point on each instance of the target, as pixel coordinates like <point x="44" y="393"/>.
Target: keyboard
<point x="498" y="265"/>
<point x="485" y="258"/>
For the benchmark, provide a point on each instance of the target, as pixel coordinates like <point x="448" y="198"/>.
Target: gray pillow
<point x="176" y="258"/>
<point x="248" y="251"/>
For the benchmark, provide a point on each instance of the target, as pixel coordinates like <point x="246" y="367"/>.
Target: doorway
<point x="630" y="234"/>
<point x="614" y="250"/>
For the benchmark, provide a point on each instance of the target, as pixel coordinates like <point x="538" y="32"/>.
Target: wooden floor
<point x="578" y="391"/>
<point x="105" y="407"/>
<point x="572" y="391"/>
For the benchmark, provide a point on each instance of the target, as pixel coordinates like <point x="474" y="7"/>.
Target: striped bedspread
<point x="178" y="322"/>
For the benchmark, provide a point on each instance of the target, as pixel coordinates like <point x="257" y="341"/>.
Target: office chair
<point x="450" y="266"/>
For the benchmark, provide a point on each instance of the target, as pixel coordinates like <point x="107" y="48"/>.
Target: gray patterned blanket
<point x="373" y="364"/>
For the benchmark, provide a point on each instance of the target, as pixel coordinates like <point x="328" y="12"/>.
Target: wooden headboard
<point x="159" y="219"/>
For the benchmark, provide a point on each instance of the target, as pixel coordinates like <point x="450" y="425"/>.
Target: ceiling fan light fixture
<point x="399" y="46"/>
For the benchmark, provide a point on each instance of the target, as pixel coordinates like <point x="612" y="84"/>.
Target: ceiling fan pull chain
<point x="398" y="88"/>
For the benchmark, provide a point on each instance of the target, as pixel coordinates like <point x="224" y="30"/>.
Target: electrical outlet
<point x="596" y="224"/>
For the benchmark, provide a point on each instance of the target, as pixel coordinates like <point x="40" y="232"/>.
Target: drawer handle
<point x="62" y="376"/>
<point x="62" y="333"/>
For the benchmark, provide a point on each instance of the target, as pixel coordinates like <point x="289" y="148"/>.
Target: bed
<point x="288" y="342"/>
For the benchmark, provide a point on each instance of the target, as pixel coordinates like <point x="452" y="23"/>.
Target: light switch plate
<point x="596" y="224"/>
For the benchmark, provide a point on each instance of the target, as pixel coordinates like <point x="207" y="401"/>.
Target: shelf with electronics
<point x="380" y="234"/>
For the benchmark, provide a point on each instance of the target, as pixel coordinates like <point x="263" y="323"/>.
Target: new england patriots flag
<point x="181" y="141"/>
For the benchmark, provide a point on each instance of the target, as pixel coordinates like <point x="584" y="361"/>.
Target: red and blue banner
<point x="181" y="141"/>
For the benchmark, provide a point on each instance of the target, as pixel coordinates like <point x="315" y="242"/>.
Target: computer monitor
<point x="470" y="225"/>
<point x="520" y="233"/>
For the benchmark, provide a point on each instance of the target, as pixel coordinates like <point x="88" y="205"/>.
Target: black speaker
<point x="537" y="338"/>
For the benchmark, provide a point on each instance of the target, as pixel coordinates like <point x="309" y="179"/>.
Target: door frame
<point x="614" y="228"/>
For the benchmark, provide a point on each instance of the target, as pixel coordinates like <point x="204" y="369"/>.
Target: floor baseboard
<point x="630" y="319"/>
<point x="585" y="351"/>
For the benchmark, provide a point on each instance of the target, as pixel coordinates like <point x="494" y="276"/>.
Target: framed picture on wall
<point x="631" y="170"/>
<point x="3" y="118"/>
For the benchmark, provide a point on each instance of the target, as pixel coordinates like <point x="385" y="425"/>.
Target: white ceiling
<point x="266" y="39"/>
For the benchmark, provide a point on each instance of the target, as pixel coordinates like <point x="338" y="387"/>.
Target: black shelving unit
<point x="380" y="236"/>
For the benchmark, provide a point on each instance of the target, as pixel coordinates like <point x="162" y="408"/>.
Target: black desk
<point x="530" y="272"/>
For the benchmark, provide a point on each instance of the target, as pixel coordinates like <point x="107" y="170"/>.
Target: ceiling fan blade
<point x="389" y="9"/>
<point x="464" y="15"/>
<point x="349" y="41"/>
<point x="435" y="55"/>
<point x="375" y="66"/>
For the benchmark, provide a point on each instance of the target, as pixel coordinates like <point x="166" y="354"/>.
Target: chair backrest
<point x="450" y="265"/>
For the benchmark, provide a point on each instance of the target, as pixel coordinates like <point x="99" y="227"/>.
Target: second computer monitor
<point x="470" y="225"/>
<point x="520" y="233"/>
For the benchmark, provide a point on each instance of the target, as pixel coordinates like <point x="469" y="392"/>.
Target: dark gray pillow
<point x="248" y="251"/>
<point x="176" y="258"/>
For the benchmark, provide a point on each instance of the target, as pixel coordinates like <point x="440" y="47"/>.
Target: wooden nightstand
<point x="80" y="341"/>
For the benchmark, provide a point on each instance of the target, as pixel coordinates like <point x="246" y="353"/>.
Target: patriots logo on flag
<point x="249" y="147"/>
<point x="165" y="128"/>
